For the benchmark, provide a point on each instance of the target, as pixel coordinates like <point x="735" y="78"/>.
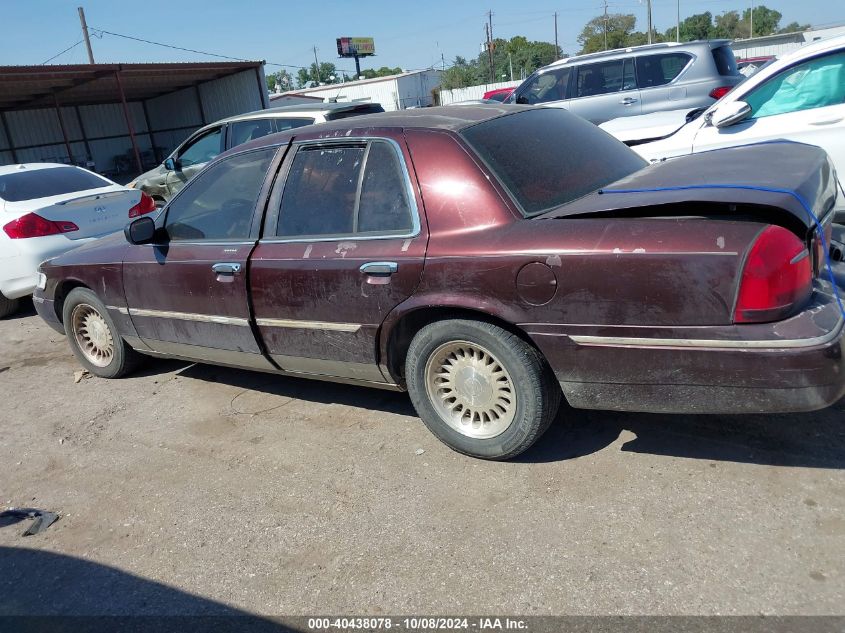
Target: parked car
<point x="800" y="97"/>
<point x="489" y="259"/>
<point x="750" y="65"/>
<point x="209" y="141"/>
<point x="499" y="94"/>
<point x="47" y="209"/>
<point x="632" y="81"/>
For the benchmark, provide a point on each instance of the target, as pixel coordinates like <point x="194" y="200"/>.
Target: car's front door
<point x="342" y="246"/>
<point x="192" y="157"/>
<point x="605" y="90"/>
<point x="187" y="293"/>
<point x="804" y="103"/>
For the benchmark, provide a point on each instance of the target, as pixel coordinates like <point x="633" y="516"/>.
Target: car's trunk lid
<point x="96" y="212"/>
<point x="778" y="175"/>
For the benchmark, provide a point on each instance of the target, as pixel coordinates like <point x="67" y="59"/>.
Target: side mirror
<point x="729" y="114"/>
<point x="521" y="99"/>
<point x="140" y="231"/>
<point x="172" y="164"/>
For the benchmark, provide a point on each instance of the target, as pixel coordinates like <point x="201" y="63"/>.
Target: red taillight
<point x="778" y="275"/>
<point x="146" y="205"/>
<point x="721" y="91"/>
<point x="32" y="225"/>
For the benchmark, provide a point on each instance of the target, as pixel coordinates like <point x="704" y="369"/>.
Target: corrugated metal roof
<point x="23" y="87"/>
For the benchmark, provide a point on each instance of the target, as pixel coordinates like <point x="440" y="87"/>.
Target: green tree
<point x="794" y="27"/>
<point x="695" y="27"/>
<point x="328" y="74"/>
<point x="282" y="79"/>
<point x="729" y="25"/>
<point x="766" y="21"/>
<point x="602" y="33"/>
<point x="384" y="71"/>
<point x="460" y="74"/>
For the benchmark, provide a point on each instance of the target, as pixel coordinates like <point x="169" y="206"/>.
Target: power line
<point x="192" y="50"/>
<point x="62" y="53"/>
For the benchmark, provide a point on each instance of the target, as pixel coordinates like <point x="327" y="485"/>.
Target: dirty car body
<point x="475" y="232"/>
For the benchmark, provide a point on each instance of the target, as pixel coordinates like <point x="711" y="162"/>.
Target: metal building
<point x="118" y="119"/>
<point x="394" y="92"/>
<point x="782" y="43"/>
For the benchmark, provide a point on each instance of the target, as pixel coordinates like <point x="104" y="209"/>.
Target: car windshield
<point x="548" y="157"/>
<point x="28" y="184"/>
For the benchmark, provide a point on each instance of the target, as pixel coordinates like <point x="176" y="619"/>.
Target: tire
<point x="86" y="320"/>
<point x="480" y="389"/>
<point x="8" y="306"/>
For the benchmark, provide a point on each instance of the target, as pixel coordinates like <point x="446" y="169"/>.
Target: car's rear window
<point x="28" y="184"/>
<point x="548" y="156"/>
<point x="725" y="61"/>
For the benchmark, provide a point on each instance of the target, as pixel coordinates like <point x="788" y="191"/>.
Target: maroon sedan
<point x="489" y="260"/>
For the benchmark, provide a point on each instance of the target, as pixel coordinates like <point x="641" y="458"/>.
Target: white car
<point x="799" y="97"/>
<point x="47" y="209"/>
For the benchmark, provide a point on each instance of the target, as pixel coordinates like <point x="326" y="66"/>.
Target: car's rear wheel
<point x="93" y="336"/>
<point x="8" y="306"/>
<point x="480" y="389"/>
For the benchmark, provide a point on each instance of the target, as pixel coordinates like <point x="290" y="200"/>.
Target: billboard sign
<point x="355" y="46"/>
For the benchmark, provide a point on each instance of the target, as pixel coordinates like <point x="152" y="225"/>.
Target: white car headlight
<point x="42" y="281"/>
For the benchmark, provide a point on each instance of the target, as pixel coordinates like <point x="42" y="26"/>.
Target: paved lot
<point x="192" y="488"/>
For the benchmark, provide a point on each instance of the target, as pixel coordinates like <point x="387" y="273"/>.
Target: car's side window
<point x="599" y="79"/>
<point x="816" y="83"/>
<point x="343" y="191"/>
<point x="219" y="203"/>
<point x="251" y="129"/>
<point x="547" y="86"/>
<point x="660" y="69"/>
<point x="203" y="149"/>
<point x="288" y="124"/>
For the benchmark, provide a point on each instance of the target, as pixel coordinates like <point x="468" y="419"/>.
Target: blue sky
<point x="410" y="35"/>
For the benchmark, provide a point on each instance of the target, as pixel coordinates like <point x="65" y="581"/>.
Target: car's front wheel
<point x="480" y="389"/>
<point x="8" y="306"/>
<point x="93" y="337"/>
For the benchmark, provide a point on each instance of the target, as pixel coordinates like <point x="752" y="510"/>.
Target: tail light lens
<point x="777" y="277"/>
<point x="146" y="205"/>
<point x="33" y="225"/>
<point x="721" y="91"/>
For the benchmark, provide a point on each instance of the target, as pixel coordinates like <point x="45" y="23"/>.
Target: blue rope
<point x="790" y="192"/>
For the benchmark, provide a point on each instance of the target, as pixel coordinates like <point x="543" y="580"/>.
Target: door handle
<point x="628" y="101"/>
<point x="226" y="268"/>
<point x="826" y="121"/>
<point x="379" y="269"/>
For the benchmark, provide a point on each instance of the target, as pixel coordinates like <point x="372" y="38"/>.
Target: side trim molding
<point x="708" y="343"/>
<point x="309" y="325"/>
<point x="189" y="316"/>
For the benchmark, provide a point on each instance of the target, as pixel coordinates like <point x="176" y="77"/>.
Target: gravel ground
<point x="197" y="489"/>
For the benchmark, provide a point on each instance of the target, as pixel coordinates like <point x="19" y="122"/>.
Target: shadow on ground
<point x="815" y="440"/>
<point x="89" y="596"/>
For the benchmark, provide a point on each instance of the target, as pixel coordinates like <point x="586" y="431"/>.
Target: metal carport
<point x="118" y="118"/>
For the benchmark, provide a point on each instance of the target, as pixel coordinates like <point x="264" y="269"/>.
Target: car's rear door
<point x="656" y="75"/>
<point x="605" y="90"/>
<point x="187" y="293"/>
<point x="342" y="246"/>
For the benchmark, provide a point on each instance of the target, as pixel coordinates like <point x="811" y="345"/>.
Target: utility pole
<point x="751" y="26"/>
<point x="316" y="67"/>
<point x="605" y="24"/>
<point x="489" y="51"/>
<point x="85" y="35"/>
<point x="557" y="48"/>
<point x="443" y="62"/>
<point x="678" y="24"/>
<point x="648" y="2"/>
<point x="510" y="64"/>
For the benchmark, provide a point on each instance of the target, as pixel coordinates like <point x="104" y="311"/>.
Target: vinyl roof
<point x="23" y="87"/>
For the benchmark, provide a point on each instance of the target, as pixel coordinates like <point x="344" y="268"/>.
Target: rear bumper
<point x="789" y="366"/>
<point x="19" y="270"/>
<point x="47" y="311"/>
